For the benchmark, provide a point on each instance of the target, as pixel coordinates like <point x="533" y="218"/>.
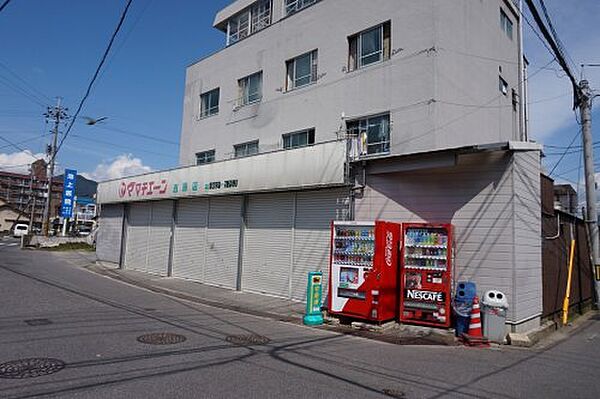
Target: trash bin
<point x="463" y="305"/>
<point x="493" y="312"/>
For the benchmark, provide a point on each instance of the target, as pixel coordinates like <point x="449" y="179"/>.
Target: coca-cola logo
<point x="143" y="189"/>
<point x="389" y="248"/>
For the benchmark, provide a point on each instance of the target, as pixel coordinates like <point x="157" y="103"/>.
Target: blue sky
<point x="56" y="45"/>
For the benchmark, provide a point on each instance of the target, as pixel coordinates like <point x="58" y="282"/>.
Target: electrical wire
<point x="555" y="34"/>
<point x="565" y="152"/>
<point x="94" y="77"/>
<point x="4" y="5"/>
<point x="27" y="84"/>
<point x="134" y="134"/>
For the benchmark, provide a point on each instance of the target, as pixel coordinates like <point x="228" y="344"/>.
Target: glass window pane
<point x="371" y="42"/>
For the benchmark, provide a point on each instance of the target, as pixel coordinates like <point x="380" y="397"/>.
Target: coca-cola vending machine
<point x="363" y="280"/>
<point x="426" y="274"/>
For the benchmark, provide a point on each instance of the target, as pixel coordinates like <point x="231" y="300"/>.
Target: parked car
<point x="20" y="229"/>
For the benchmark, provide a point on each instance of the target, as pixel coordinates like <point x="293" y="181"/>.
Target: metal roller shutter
<point x="138" y="225"/>
<point x="159" y="238"/>
<point x="268" y="243"/>
<point x="110" y="233"/>
<point x="314" y="212"/>
<point x="190" y="239"/>
<point x="222" y="241"/>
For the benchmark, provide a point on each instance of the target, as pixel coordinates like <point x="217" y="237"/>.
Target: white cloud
<point x="18" y="162"/>
<point x="122" y="166"/>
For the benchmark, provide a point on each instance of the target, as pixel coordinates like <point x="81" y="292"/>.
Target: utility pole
<point x="57" y="113"/>
<point x="586" y="97"/>
<point x="32" y="199"/>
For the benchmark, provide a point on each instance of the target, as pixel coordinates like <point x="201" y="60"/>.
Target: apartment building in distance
<point x="313" y="111"/>
<point x="27" y="193"/>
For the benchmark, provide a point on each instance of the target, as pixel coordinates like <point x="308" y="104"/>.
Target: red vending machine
<point x="426" y="274"/>
<point x="364" y="270"/>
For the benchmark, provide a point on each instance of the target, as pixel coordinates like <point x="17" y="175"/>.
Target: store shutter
<point x="190" y="239"/>
<point x="138" y="225"/>
<point x="222" y="241"/>
<point x="110" y="233"/>
<point x="159" y="238"/>
<point x="314" y="212"/>
<point x="268" y="243"/>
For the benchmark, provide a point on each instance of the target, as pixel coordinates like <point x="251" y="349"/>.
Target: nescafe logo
<point x="389" y="246"/>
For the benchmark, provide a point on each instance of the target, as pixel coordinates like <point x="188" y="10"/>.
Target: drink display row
<point x="434" y="264"/>
<point x="354" y="247"/>
<point x="426" y="252"/>
<point x="359" y="233"/>
<point x="424" y="237"/>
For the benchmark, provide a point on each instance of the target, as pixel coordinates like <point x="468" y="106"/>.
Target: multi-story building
<point x="326" y="110"/>
<point x="27" y="193"/>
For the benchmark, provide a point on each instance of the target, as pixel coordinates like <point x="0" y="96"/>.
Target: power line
<point x="4" y="5"/>
<point x="134" y="134"/>
<point x="565" y="152"/>
<point x="554" y="34"/>
<point x="122" y="147"/>
<point x="22" y="91"/>
<point x="95" y="76"/>
<point x="27" y="84"/>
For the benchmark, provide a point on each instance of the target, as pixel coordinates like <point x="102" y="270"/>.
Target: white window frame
<point x="310" y="134"/>
<point x="506" y="24"/>
<point x="254" y="18"/>
<point x="361" y="133"/>
<point x="293" y="6"/>
<point x="208" y="156"/>
<point x="245" y="146"/>
<point x="244" y="87"/>
<point x="355" y="43"/>
<point x="205" y="109"/>
<point x="502" y="86"/>
<point x="292" y="70"/>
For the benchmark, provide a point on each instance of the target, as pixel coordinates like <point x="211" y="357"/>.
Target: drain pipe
<point x="557" y="229"/>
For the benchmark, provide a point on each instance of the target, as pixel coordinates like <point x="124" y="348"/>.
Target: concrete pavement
<point x="92" y="325"/>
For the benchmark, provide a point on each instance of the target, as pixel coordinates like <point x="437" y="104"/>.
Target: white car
<point x="20" y="230"/>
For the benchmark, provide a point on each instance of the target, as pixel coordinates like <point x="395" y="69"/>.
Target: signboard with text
<point x="68" y="194"/>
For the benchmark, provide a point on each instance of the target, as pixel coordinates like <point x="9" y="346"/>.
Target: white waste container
<point x="494" y="308"/>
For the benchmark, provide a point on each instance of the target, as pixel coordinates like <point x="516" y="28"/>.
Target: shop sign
<point x="139" y="189"/>
<point x="430" y="296"/>
<point x="68" y="195"/>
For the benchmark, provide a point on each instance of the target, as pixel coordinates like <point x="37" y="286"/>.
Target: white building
<point x="315" y="111"/>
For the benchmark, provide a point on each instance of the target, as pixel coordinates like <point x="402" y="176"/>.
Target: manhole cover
<point x="30" y="368"/>
<point x="38" y="322"/>
<point x="161" y="339"/>
<point x="394" y="393"/>
<point x="248" y="339"/>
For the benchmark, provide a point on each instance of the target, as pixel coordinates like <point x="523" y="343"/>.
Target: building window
<point x="502" y="86"/>
<point x="302" y="70"/>
<point x="292" y="6"/>
<point x="205" y="157"/>
<point x="251" y="20"/>
<point x="209" y="103"/>
<point x="246" y="149"/>
<point x="506" y="24"/>
<point x="299" y="139"/>
<point x="370" y="46"/>
<point x="250" y="89"/>
<point x="372" y="134"/>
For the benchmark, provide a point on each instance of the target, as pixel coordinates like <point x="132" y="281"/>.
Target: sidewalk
<point x="259" y="305"/>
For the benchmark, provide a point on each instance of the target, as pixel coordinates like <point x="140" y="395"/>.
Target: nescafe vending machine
<point x="426" y="274"/>
<point x="363" y="280"/>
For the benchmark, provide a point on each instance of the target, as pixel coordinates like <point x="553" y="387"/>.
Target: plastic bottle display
<point x="426" y="249"/>
<point x="354" y="246"/>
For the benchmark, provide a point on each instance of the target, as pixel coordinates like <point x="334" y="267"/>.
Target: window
<point x="292" y="6"/>
<point x="245" y="149"/>
<point x="209" y="103"/>
<point x="250" y="89"/>
<point x="373" y="134"/>
<point x="370" y="46"/>
<point x="251" y="20"/>
<point x="205" y="157"/>
<point x="302" y="70"/>
<point x="506" y="24"/>
<point x="502" y="86"/>
<point x="299" y="139"/>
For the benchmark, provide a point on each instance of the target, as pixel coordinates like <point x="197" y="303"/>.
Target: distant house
<point x="9" y="215"/>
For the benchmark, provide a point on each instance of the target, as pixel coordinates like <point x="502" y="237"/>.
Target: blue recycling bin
<point x="463" y="305"/>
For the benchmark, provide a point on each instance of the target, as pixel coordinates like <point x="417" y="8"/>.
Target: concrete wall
<point x="492" y="200"/>
<point x="425" y="67"/>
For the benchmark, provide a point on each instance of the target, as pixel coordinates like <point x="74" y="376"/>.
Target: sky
<point x="53" y="48"/>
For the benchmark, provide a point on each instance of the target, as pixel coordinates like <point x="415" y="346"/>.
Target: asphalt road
<point x="55" y="309"/>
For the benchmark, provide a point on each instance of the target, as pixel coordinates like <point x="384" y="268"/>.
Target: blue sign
<point x="68" y="195"/>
